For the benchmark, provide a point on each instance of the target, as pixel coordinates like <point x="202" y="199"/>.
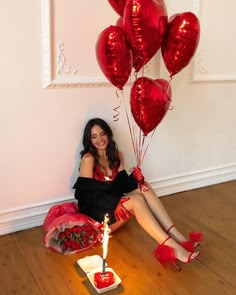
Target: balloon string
<point x="138" y="147"/>
<point x="141" y="148"/>
<point x="143" y="71"/>
<point x="133" y="128"/>
<point x="135" y="141"/>
<point x="168" y="85"/>
<point x="167" y="90"/>
<point x="116" y="109"/>
<point x="130" y="129"/>
<point x="145" y="151"/>
<point x="132" y="124"/>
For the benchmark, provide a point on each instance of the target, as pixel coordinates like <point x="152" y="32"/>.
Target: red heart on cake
<point x="103" y="280"/>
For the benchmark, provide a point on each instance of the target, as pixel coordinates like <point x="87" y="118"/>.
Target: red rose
<point x="87" y="234"/>
<point x="75" y="229"/>
<point x="67" y="234"/>
<point x="74" y="245"/>
<point x="79" y="229"/>
<point x="85" y="226"/>
<point x="61" y="235"/>
<point x="68" y="243"/>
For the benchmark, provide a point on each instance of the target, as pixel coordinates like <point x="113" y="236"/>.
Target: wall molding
<point x="26" y="217"/>
<point x="58" y="72"/>
<point x="199" y="71"/>
<point x="49" y="81"/>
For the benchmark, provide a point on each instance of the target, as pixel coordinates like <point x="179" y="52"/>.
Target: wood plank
<point x="15" y="276"/>
<point x="27" y="267"/>
<point x="52" y="271"/>
<point x="188" y="278"/>
<point x="140" y="271"/>
<point x="205" y="210"/>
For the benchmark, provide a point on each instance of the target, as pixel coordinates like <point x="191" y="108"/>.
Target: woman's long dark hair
<point x="112" y="149"/>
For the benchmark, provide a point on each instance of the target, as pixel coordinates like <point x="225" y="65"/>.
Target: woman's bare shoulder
<point x="86" y="165"/>
<point x="87" y="157"/>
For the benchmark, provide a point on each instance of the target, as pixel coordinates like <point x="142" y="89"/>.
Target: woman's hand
<point x="143" y="185"/>
<point x="121" y="213"/>
<point x="138" y="174"/>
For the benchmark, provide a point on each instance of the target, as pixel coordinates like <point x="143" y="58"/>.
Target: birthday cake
<point x="103" y="280"/>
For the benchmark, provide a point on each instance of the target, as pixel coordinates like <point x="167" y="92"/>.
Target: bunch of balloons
<point x="141" y="30"/>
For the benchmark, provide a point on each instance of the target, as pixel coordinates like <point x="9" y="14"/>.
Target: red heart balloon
<point x="149" y="103"/>
<point x="181" y="41"/>
<point x="145" y="24"/>
<point x="114" y="55"/>
<point x="118" y="6"/>
<point x="165" y="86"/>
<point x="119" y="22"/>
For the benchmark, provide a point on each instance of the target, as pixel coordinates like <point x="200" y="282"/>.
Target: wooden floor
<point x="28" y="268"/>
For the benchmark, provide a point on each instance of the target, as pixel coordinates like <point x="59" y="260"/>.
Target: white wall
<point x="41" y="128"/>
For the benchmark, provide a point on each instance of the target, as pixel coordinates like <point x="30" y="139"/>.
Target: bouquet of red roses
<point x="69" y="231"/>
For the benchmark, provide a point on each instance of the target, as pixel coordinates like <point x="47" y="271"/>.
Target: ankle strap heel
<point x="195" y="239"/>
<point x="166" y="256"/>
<point x="167" y="231"/>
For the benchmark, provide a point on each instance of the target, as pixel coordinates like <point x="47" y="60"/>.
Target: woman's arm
<point x="86" y="166"/>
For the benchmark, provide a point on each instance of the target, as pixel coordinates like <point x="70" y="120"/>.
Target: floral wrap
<point x="69" y="231"/>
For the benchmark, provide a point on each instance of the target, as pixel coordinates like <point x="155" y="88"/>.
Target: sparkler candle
<point x="106" y="231"/>
<point x="105" y="278"/>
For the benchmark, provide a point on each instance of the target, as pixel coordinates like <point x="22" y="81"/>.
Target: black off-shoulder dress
<point x="97" y="198"/>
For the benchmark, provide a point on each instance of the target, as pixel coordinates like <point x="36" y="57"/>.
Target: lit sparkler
<point x="106" y="231"/>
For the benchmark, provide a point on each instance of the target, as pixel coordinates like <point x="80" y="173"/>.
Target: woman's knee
<point x="136" y="198"/>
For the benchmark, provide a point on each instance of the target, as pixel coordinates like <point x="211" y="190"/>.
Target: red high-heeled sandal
<point x="195" y="239"/>
<point x="166" y="256"/>
<point x="192" y="256"/>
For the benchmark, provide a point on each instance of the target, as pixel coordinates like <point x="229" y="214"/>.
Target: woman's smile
<point x="99" y="138"/>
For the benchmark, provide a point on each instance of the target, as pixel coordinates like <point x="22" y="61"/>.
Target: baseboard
<point x="198" y="179"/>
<point x="26" y="217"/>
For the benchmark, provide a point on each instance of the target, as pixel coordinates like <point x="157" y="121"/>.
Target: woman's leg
<point x="161" y="214"/>
<point x="137" y="204"/>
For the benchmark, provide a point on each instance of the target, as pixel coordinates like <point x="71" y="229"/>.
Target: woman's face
<point x="99" y="138"/>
